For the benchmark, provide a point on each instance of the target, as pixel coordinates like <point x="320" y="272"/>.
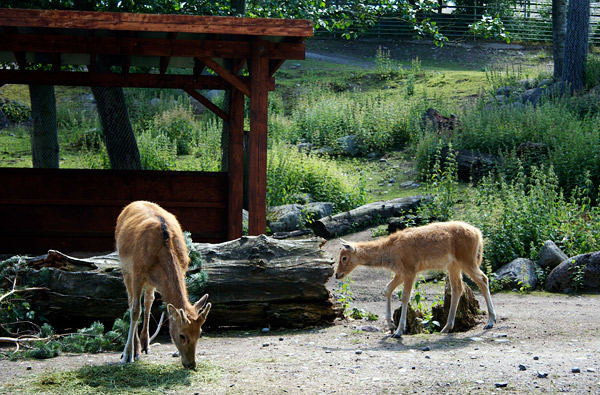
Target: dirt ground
<point x="546" y="333"/>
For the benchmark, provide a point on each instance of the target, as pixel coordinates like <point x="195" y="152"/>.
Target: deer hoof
<point x="490" y="325"/>
<point x="397" y="335"/>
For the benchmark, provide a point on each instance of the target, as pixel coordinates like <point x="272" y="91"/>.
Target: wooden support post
<point x="236" y="164"/>
<point x="257" y="150"/>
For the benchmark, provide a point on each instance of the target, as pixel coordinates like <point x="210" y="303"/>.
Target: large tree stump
<point x="466" y="314"/>
<point x="252" y="282"/>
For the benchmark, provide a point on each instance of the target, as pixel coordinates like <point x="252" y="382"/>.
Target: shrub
<point x="517" y="215"/>
<point x="179" y="125"/>
<point x="291" y="172"/>
<point x="592" y="71"/>
<point x="157" y="152"/>
<point x="15" y="112"/>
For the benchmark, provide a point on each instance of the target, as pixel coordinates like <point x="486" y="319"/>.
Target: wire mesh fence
<point x="527" y="22"/>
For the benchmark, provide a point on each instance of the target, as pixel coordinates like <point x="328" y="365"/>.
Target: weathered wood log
<point x="252" y="282"/>
<point x="369" y="214"/>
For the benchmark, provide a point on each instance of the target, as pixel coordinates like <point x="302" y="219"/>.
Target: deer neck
<point x="372" y="254"/>
<point x="172" y="286"/>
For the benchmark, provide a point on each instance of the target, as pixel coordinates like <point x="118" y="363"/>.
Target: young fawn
<point x="456" y="247"/>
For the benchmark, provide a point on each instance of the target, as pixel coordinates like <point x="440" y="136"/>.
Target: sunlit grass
<point x="138" y="377"/>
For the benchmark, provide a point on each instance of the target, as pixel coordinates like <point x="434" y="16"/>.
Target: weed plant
<point x="290" y="172"/>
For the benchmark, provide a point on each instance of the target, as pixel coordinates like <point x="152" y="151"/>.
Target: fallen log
<point x="369" y="214"/>
<point x="252" y="282"/>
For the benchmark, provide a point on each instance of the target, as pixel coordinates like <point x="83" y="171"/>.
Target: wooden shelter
<point x="75" y="210"/>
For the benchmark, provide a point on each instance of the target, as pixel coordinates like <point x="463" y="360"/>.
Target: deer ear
<point x="173" y="313"/>
<point x="204" y="313"/>
<point x="346" y="244"/>
<point x="183" y="316"/>
<point x="201" y="303"/>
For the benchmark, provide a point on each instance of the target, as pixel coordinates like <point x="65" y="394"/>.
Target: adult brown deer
<point x="154" y="257"/>
<point x="453" y="246"/>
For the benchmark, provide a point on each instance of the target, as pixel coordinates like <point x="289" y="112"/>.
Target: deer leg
<point x="406" y="291"/>
<point x="389" y="290"/>
<point x="483" y="284"/>
<point x="134" y="312"/>
<point x="456" y="290"/>
<point x="145" y="336"/>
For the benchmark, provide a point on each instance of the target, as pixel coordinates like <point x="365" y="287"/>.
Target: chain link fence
<point x="527" y="22"/>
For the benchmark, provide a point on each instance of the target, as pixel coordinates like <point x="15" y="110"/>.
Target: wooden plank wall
<point x="76" y="210"/>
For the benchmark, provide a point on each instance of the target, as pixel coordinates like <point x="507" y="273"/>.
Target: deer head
<point x="186" y="327"/>
<point x="345" y="262"/>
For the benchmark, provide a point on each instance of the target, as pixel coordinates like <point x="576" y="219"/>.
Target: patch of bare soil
<point x="546" y="333"/>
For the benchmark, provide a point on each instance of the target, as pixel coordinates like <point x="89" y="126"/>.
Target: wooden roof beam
<point x="131" y="80"/>
<point x="208" y="104"/>
<point x="227" y="76"/>
<point x="146" y="46"/>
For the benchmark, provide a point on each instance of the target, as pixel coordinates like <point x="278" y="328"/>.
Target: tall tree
<point x="559" y="31"/>
<point x="576" y="43"/>
<point x="44" y="136"/>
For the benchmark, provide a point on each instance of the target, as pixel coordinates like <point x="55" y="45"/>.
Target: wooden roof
<point x="121" y="21"/>
<point x="83" y="47"/>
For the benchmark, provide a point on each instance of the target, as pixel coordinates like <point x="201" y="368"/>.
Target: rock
<point x="284" y="218"/>
<point x="466" y="314"/>
<point x="545" y="83"/>
<point x="501" y="384"/>
<point x="504" y="91"/>
<point x="520" y="272"/>
<point x="575" y="370"/>
<point x="410" y="184"/>
<point x="349" y="145"/>
<point x="527" y="83"/>
<point x="290" y="217"/>
<point x="433" y="120"/>
<point x="265" y="330"/>
<point x="369" y="328"/>
<point x="400" y="223"/>
<point x="590" y="370"/>
<point x="580" y="273"/>
<point x="323" y="151"/>
<point x="522" y="367"/>
<point x="473" y="165"/>
<point x="413" y="320"/>
<point x="265" y="345"/>
<point x="358" y="352"/>
<point x="302" y="198"/>
<point x="536" y="358"/>
<point x="542" y="375"/>
<point x="532" y="96"/>
<point x="426" y="348"/>
<point x="305" y="147"/>
<point x="551" y="256"/>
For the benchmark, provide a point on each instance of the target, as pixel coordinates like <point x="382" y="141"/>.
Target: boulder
<point x="467" y="312"/>
<point x="289" y="217"/>
<point x="520" y="272"/>
<point x="473" y="165"/>
<point x="532" y="95"/>
<point x="349" y="145"/>
<point x="551" y="256"/>
<point x="578" y="274"/>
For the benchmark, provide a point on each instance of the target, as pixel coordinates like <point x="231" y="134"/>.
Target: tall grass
<point x="291" y="172"/>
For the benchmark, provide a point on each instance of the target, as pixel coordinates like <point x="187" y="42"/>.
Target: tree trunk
<point x="44" y="136"/>
<point x="252" y="282"/>
<point x="576" y="43"/>
<point x="559" y="31"/>
<point x="340" y="224"/>
<point x="118" y="133"/>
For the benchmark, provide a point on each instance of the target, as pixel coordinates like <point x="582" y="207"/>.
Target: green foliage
<point x="385" y="67"/>
<point x="592" y="71"/>
<point x="322" y="117"/>
<point x="517" y="214"/>
<point x="179" y="125"/>
<point x="360" y="314"/>
<point x="290" y="172"/>
<point x="157" y="151"/>
<point x="490" y="28"/>
<point x="14" y="111"/>
<point x="196" y="279"/>
<point x="345" y="295"/>
<point x="418" y="303"/>
<point x="441" y="185"/>
<point x="381" y="230"/>
<point x="577" y="274"/>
